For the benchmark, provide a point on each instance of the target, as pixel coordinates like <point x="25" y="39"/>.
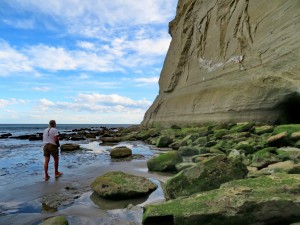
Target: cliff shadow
<point x="289" y="110"/>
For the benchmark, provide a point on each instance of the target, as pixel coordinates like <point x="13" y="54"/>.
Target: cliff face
<point x="230" y="61"/>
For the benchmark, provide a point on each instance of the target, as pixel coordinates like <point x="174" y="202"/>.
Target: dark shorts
<point x="50" y="149"/>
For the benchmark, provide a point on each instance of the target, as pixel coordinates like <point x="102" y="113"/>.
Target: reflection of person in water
<point x="51" y="145"/>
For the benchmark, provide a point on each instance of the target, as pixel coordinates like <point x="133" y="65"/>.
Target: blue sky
<point x="91" y="61"/>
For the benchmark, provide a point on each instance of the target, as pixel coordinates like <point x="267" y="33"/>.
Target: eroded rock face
<point x="230" y="61"/>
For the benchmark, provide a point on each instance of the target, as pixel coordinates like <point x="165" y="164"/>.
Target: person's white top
<point x="49" y="134"/>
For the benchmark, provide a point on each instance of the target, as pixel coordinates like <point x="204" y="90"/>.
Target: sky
<point x="81" y="62"/>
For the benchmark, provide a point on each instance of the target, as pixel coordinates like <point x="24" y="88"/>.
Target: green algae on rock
<point x="268" y="200"/>
<point x="206" y="175"/>
<point x="118" y="185"/>
<point x="165" y="162"/>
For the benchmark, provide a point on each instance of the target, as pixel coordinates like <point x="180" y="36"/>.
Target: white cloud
<point x="12" y="101"/>
<point x="146" y="80"/>
<point x="12" y="61"/>
<point x="23" y="24"/>
<point x="96" y="103"/>
<point x="86" y="45"/>
<point x="42" y="89"/>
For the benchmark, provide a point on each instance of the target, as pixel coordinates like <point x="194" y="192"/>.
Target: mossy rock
<point x="289" y="153"/>
<point x="297" y="144"/>
<point x="204" y="176"/>
<point x="205" y="156"/>
<point x="246" y="146"/>
<point x="165" y="162"/>
<point x="189" y="150"/>
<point x="223" y="146"/>
<point x="118" y="185"/>
<point x="242" y="127"/>
<point x="147" y="133"/>
<point x="259" y="130"/>
<point x="57" y="220"/>
<point x="239" y="202"/>
<point x="236" y="154"/>
<point x="201" y="141"/>
<point x="265" y="157"/>
<point x="120" y="152"/>
<point x="279" y="140"/>
<point x="184" y="165"/>
<point x="295" y="136"/>
<point x="238" y="136"/>
<point x="289" y="128"/>
<point x="218" y="134"/>
<point x="289" y="167"/>
<point x="163" y="141"/>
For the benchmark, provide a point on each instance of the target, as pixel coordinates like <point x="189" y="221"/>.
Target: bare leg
<point x="46" y="163"/>
<point x="56" y="160"/>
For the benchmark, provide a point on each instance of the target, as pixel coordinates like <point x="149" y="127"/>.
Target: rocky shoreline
<point x="243" y="173"/>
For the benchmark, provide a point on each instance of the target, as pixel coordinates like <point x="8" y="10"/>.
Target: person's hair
<point x="52" y="123"/>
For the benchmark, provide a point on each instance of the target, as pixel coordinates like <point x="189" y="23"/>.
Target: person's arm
<point x="56" y="139"/>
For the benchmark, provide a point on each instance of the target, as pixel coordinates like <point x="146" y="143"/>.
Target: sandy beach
<point x="31" y="200"/>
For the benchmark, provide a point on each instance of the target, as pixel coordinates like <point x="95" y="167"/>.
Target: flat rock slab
<point x="118" y="185"/>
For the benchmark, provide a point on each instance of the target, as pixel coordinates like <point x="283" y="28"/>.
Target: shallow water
<point x="21" y="165"/>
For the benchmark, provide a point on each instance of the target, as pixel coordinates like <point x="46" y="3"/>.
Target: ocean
<point x="20" y="159"/>
<point x="21" y="165"/>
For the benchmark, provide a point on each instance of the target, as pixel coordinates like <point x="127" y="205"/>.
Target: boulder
<point x="259" y="130"/>
<point x="264" y="200"/>
<point x="265" y="157"/>
<point x="165" y="162"/>
<point x="163" y="141"/>
<point x="69" y="147"/>
<point x="118" y="185"/>
<point x="120" y="152"/>
<point x="57" y="220"/>
<point x="289" y="153"/>
<point x="242" y="127"/>
<point x="189" y="150"/>
<point x="204" y="176"/>
<point x="279" y="140"/>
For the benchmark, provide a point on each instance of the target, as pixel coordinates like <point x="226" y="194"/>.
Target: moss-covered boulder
<point x="165" y="162"/>
<point x="57" y="220"/>
<point x="238" y="136"/>
<point x="289" y="128"/>
<point x="263" y="200"/>
<point x="242" y="127"/>
<point x="207" y="175"/>
<point x="184" y="165"/>
<point x="189" y="150"/>
<point x="245" y="146"/>
<point x="163" y="141"/>
<point x="288" y="167"/>
<point x="218" y="134"/>
<point x="289" y="153"/>
<point x="201" y="141"/>
<point x="265" y="157"/>
<point x="118" y="185"/>
<point x="295" y="136"/>
<point x="120" y="152"/>
<point x="279" y="140"/>
<point x="259" y="130"/>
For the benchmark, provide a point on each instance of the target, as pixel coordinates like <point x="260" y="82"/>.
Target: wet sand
<point x="75" y="198"/>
